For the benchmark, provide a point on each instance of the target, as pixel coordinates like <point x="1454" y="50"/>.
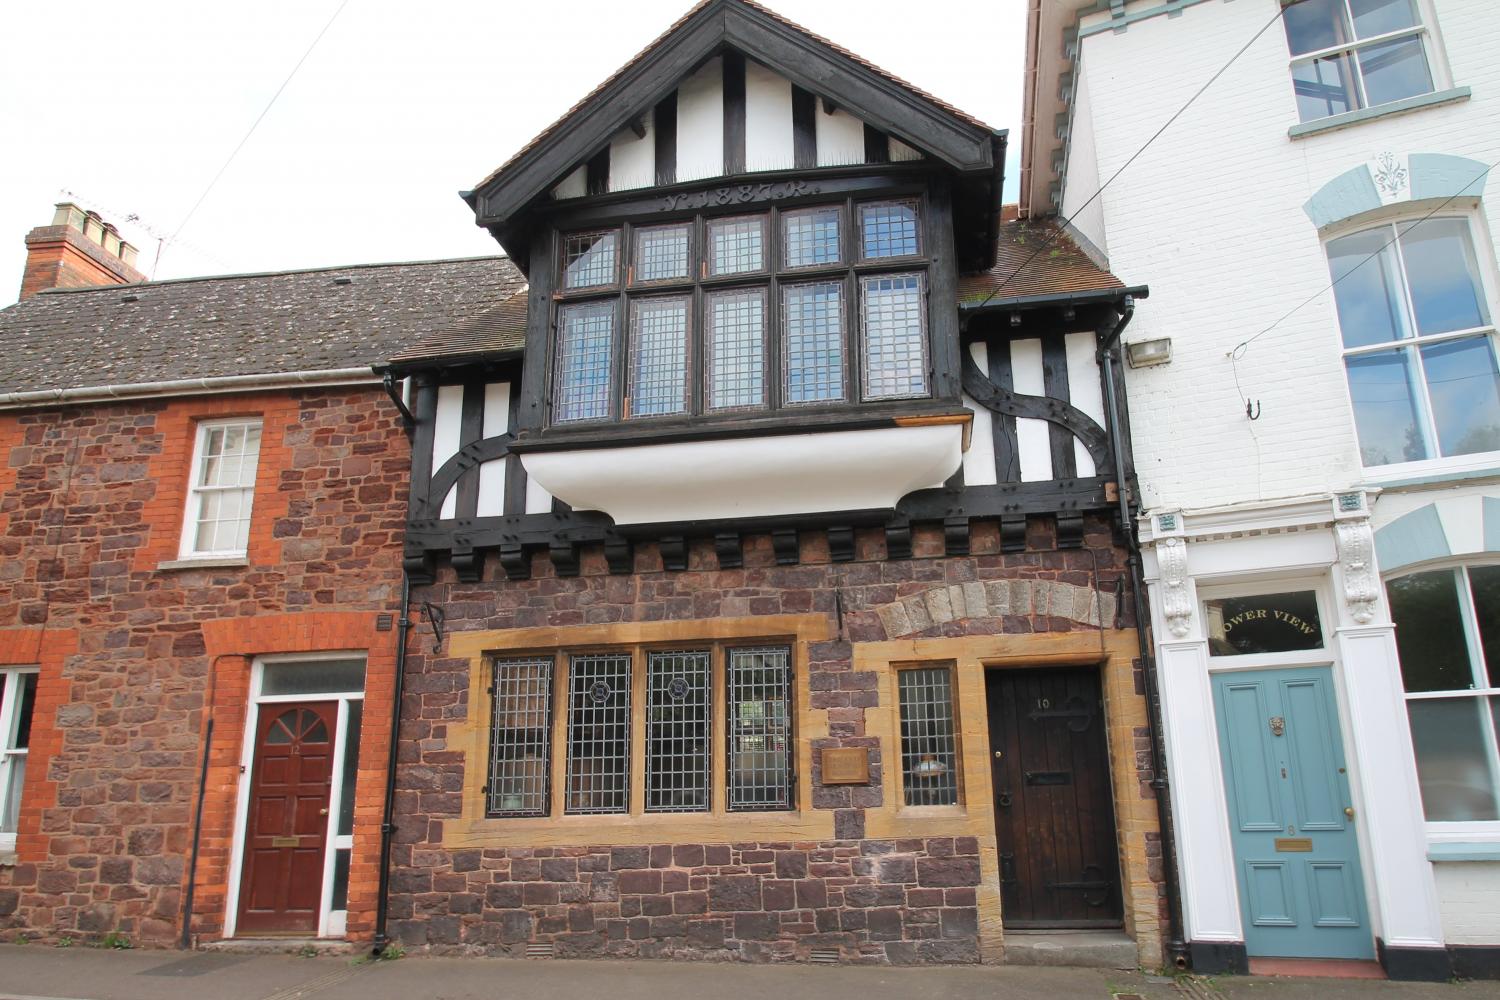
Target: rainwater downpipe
<point x="1177" y="951"/>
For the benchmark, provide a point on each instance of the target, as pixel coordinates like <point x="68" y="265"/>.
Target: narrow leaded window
<point x="17" y="701"/>
<point x="1448" y="642"/>
<point x="888" y="229"/>
<point x="661" y="253"/>
<point x="1418" y="341"/>
<point x="737" y="246"/>
<point x="678" y="699"/>
<point x="1352" y="54"/>
<point x="591" y="260"/>
<point x="811" y="237"/>
<point x="813" y="347"/>
<point x="585" y="353"/>
<point x="599" y="734"/>
<point x="736" y="349"/>
<point x="222" y="489"/>
<point x="658" y="356"/>
<point x="895" y="352"/>
<point x="929" y="755"/>
<point x="758" y="691"/>
<point x="521" y="737"/>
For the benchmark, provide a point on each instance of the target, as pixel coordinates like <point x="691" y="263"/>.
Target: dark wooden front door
<point x="287" y="827"/>
<point x="1054" y="818"/>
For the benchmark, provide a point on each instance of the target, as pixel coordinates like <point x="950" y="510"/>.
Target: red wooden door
<point x="1054" y="815"/>
<point x="287" y="828"/>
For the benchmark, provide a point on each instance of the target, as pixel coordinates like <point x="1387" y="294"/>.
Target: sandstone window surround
<point x="1418" y="342"/>
<point x="722" y="315"/>
<point x="703" y="728"/>
<point x="17" y="700"/>
<point x="221" y="490"/>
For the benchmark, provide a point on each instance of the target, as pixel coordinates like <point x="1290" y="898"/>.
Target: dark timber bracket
<point x="784" y="541"/>
<point x="729" y="548"/>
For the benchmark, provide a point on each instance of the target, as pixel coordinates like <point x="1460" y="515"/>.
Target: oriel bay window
<point x="735" y="314"/>
<point x="647" y="715"/>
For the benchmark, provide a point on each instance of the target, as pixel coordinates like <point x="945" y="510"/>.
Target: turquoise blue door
<point x="1296" y="852"/>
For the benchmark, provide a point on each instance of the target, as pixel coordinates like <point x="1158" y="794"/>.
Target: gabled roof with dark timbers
<point x="808" y="60"/>
<point x="327" y="319"/>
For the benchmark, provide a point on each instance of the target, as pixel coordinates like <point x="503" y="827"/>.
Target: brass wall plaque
<point x="846" y="766"/>
<point x="285" y="841"/>
<point x="1294" y="845"/>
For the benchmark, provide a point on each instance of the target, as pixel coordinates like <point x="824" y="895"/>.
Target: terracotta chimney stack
<point x="78" y="250"/>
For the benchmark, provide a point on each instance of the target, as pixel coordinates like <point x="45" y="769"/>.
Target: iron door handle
<point x="1004" y="800"/>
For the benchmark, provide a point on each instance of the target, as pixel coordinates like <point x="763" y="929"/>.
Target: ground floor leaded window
<point x="929" y="743"/>
<point x="1448" y="638"/>
<point x="646" y="712"/>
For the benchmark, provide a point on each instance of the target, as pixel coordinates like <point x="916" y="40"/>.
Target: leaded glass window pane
<point x="811" y="237"/>
<point x="678" y="747"/>
<point x="599" y="734"/>
<point x="758" y="691"/>
<point x="736" y="349"/>
<point x="661" y="253"/>
<point x="737" y="246"/>
<point x="585" y="354"/>
<point x="591" y="260"/>
<point x="888" y="229"/>
<point x="658" y="356"/>
<point x="521" y="738"/>
<point x="895" y="355"/>
<point x="929" y="745"/>
<point x="813" y="348"/>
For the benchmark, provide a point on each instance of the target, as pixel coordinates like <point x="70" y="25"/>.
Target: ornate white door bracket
<point x="1176" y="605"/>
<point x="1356" y="544"/>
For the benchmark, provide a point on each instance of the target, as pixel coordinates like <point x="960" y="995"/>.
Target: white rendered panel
<point x="979" y="460"/>
<point x="768" y="120"/>
<point x="446" y="430"/>
<point x="700" y="123"/>
<point x="632" y="160"/>
<point x="492" y="474"/>
<point x="748" y="477"/>
<point x="901" y="152"/>
<point x="841" y="138"/>
<point x="1084" y="390"/>
<point x="575" y="185"/>
<point x="1032" y="437"/>
<point x="538" y="500"/>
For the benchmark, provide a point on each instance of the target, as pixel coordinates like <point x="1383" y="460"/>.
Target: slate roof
<point x="243" y="324"/>
<point x="1027" y="265"/>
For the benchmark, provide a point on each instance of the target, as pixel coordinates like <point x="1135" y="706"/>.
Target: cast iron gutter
<point x="1054" y="299"/>
<point x="212" y="384"/>
<point x="1108" y="356"/>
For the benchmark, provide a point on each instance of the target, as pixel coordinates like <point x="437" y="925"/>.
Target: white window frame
<point x="9" y="726"/>
<point x="331" y="923"/>
<point x="1485" y="266"/>
<point x="1439" y="831"/>
<point x="1436" y="70"/>
<point x="193" y="509"/>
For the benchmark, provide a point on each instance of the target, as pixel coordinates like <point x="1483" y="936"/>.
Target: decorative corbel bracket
<point x="1356" y="548"/>
<point x="1177" y="603"/>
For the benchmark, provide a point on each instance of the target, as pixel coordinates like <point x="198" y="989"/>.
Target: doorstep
<point x="1316" y="968"/>
<point x="1085" y="949"/>
<point x="279" y="945"/>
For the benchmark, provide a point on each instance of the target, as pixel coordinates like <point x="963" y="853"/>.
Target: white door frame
<point x="331" y="923"/>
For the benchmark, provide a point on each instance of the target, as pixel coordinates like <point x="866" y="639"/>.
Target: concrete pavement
<point x="32" y="971"/>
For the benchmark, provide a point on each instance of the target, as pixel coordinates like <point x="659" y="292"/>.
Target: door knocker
<point x="1278" y="725"/>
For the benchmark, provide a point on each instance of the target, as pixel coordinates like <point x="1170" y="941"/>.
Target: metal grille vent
<point x="538" y="951"/>
<point x="824" y="956"/>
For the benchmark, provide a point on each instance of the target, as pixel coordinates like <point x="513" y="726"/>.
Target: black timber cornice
<point x="806" y="61"/>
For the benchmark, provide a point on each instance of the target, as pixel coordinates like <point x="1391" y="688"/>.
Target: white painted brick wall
<point x="1211" y="218"/>
<point x="1469" y="892"/>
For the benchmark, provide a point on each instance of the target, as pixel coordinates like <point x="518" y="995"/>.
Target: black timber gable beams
<point x="806" y="61"/>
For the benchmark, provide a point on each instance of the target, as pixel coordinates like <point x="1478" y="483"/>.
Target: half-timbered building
<point x="769" y="543"/>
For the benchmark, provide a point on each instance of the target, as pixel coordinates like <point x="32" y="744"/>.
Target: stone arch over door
<point x="932" y="609"/>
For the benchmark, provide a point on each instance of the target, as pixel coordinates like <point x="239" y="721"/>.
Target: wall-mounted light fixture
<point x="1145" y="353"/>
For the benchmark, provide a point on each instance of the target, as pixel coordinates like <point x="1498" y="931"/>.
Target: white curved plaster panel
<point x="752" y="477"/>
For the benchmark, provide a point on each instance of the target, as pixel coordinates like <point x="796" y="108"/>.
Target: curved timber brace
<point x="469" y="457"/>
<point x="1055" y="411"/>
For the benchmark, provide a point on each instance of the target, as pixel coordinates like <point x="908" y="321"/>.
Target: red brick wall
<point x="59" y="257"/>
<point x="91" y="503"/>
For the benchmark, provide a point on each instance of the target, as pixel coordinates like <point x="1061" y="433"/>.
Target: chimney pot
<point x="77" y="250"/>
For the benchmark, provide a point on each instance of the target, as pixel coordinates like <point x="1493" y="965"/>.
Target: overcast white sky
<point x="134" y="106"/>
